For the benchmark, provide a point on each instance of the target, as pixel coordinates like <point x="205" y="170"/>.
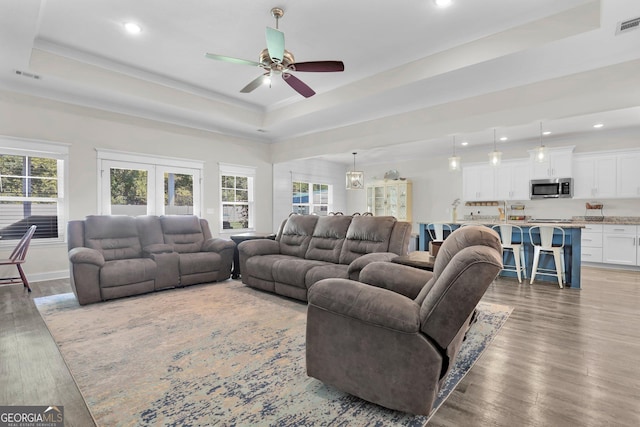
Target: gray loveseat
<point x="113" y="256"/>
<point x="393" y="338"/>
<point x="308" y="248"/>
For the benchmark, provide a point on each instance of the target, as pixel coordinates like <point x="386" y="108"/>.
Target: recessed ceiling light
<point x="132" y="28"/>
<point x="504" y="138"/>
<point x="598" y="125"/>
<point x="546" y="132"/>
<point x="443" y="3"/>
<point x="465" y="143"/>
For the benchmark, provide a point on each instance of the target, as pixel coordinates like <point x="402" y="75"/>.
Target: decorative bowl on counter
<point x="594" y="205"/>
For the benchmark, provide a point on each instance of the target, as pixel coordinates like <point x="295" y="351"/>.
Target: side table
<point x="239" y="238"/>
<point x="417" y="259"/>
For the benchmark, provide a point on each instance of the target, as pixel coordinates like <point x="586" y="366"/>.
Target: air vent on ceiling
<point x="624" y="26"/>
<point x="29" y="75"/>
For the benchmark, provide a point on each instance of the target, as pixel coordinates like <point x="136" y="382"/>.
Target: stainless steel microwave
<point x="554" y="188"/>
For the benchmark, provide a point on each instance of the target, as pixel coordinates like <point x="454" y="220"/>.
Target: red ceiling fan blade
<point x="319" y="66"/>
<point x="298" y="85"/>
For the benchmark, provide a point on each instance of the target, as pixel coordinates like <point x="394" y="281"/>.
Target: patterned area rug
<point x="217" y="354"/>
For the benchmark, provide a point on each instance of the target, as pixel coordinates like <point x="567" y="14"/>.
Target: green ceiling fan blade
<point x="232" y="60"/>
<point x="275" y="44"/>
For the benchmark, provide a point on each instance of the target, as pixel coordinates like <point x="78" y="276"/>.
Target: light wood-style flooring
<point x="564" y="358"/>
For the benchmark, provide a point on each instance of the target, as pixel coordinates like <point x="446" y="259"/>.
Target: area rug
<point x="216" y="354"/>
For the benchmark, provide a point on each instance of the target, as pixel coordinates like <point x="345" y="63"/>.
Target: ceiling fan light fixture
<point x="132" y="28"/>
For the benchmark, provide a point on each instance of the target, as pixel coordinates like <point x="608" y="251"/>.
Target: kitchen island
<point x="572" y="248"/>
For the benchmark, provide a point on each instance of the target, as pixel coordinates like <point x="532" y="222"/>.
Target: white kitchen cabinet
<point x="512" y="180"/>
<point x="594" y="176"/>
<point x="478" y="183"/>
<point x="390" y="198"/>
<point x="628" y="175"/>
<point x="558" y="164"/>
<point x="591" y="243"/>
<point x="620" y="244"/>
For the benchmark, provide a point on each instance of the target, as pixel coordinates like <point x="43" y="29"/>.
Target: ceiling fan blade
<point x="254" y="84"/>
<point x="233" y="60"/>
<point x="275" y="44"/>
<point x="318" y="66"/>
<point x="298" y="85"/>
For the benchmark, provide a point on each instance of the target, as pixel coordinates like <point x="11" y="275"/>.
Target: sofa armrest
<point x="250" y="248"/>
<point x="157" y="248"/>
<point x="369" y="304"/>
<point x="359" y="263"/>
<point x="402" y="279"/>
<point x="83" y="255"/>
<point x="217" y="245"/>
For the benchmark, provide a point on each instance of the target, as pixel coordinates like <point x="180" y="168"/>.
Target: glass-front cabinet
<point x="391" y="198"/>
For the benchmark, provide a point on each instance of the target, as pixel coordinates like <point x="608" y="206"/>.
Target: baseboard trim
<point x="49" y="275"/>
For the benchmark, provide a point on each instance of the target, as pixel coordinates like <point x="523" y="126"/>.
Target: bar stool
<point x="437" y="234"/>
<point x="507" y="232"/>
<point x="546" y="246"/>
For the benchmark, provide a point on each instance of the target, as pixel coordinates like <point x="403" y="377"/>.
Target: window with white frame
<point x="311" y="198"/>
<point x="236" y="197"/>
<point x="32" y="189"/>
<point x="138" y="184"/>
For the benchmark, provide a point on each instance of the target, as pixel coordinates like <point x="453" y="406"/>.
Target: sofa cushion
<point x="328" y="237"/>
<point x="183" y="232"/>
<point x="126" y="272"/>
<point x="296" y="235"/>
<point x="330" y="271"/>
<point x="293" y="271"/>
<point x="261" y="266"/>
<point x="115" y="236"/>
<point x="366" y="234"/>
<point x="200" y="262"/>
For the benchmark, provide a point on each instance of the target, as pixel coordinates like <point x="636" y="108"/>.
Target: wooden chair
<point x="17" y="258"/>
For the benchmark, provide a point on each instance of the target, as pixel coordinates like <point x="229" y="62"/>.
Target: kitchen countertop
<point x="575" y="222"/>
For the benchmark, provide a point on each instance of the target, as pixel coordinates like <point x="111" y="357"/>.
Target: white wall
<point x="87" y="129"/>
<point x="308" y="170"/>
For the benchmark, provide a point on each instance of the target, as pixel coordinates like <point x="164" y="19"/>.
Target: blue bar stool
<point x="507" y="233"/>
<point x="544" y="245"/>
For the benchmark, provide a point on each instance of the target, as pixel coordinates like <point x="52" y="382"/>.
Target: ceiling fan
<point x="276" y="60"/>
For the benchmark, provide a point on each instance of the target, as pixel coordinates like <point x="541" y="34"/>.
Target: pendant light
<point x="355" y="179"/>
<point x="454" y="161"/>
<point x="495" y="156"/>
<point x="541" y="151"/>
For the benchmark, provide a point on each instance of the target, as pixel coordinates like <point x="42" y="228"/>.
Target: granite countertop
<point x="575" y="222"/>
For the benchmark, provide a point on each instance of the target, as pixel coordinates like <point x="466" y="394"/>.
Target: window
<point x="236" y="194"/>
<point x="316" y="201"/>
<point x="32" y="189"/>
<point x="132" y="184"/>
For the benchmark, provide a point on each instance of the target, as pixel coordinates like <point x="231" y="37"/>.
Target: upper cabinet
<point x="512" y="180"/>
<point x="594" y="175"/>
<point x="557" y="164"/>
<point x="628" y="175"/>
<point x="509" y="181"/>
<point x="390" y="198"/>
<point x="606" y="175"/>
<point x="478" y="182"/>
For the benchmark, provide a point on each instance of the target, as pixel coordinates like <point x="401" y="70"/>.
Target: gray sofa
<point x="393" y="338"/>
<point x="308" y="248"/>
<point x="113" y="256"/>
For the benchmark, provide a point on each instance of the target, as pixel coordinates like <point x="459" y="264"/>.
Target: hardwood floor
<point x="564" y="358"/>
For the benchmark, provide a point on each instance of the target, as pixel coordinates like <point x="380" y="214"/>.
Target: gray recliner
<point x="392" y="339"/>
